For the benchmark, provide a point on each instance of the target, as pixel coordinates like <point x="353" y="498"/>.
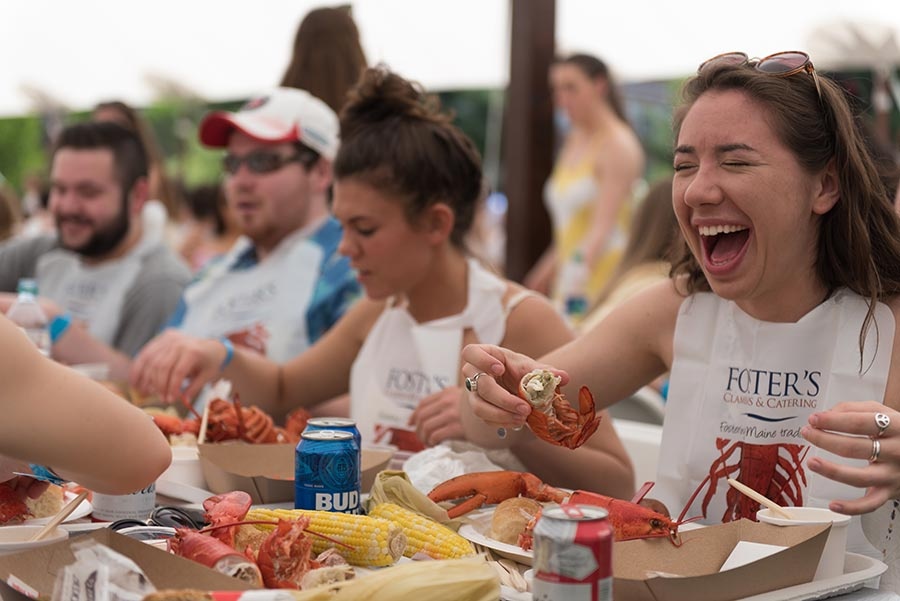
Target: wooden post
<point x="528" y="133"/>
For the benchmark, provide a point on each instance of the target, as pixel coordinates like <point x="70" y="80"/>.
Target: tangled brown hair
<point x="395" y="137"/>
<point x="859" y="238"/>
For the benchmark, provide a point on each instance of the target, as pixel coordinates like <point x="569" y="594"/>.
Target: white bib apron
<point x="402" y="361"/>
<point x="267" y="302"/>
<point x="740" y="391"/>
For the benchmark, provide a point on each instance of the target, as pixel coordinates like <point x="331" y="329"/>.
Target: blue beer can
<point x="327" y="472"/>
<point x="341" y="424"/>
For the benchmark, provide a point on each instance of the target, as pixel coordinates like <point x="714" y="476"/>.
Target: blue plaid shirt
<point x="336" y="287"/>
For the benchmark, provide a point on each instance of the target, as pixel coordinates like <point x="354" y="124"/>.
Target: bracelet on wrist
<point x="45" y="473"/>
<point x="58" y="326"/>
<point x="229" y="352"/>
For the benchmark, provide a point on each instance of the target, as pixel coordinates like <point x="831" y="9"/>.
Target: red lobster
<point x="628" y="519"/>
<point x="281" y="561"/>
<point x="761" y="467"/>
<point x="479" y="488"/>
<point x="12" y="505"/>
<point x="552" y="418"/>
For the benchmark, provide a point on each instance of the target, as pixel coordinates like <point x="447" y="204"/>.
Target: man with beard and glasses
<point x="283" y="284"/>
<point x="106" y="288"/>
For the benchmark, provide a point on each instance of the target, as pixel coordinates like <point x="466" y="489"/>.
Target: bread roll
<point x="511" y="517"/>
<point x="49" y="503"/>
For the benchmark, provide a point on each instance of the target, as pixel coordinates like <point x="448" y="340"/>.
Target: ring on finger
<point x="472" y="383"/>
<point x="883" y="422"/>
<point x="876" y="450"/>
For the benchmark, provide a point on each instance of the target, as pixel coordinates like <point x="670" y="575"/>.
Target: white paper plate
<point x="84" y="509"/>
<point x="478" y="532"/>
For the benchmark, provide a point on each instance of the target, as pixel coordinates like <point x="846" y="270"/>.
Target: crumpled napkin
<point x="426" y="469"/>
<point x="101" y="574"/>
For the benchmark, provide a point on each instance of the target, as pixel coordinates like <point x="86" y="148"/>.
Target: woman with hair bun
<point x="407" y="183"/>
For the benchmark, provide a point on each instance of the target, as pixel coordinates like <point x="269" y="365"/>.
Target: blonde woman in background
<point x="588" y="193"/>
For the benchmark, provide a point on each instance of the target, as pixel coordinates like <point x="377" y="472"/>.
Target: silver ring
<point x="472" y="383"/>
<point x="883" y="421"/>
<point x="876" y="450"/>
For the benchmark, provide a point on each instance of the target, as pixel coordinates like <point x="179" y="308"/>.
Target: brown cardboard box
<point x="266" y="471"/>
<point x="701" y="555"/>
<point x="38" y="567"/>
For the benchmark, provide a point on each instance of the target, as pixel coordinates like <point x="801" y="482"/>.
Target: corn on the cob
<point x="376" y="542"/>
<point x="424" y="535"/>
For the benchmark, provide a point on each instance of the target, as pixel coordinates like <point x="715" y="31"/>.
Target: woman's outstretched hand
<point x="495" y="396"/>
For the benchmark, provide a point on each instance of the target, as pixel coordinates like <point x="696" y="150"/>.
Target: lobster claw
<point x="552" y="418"/>
<point x="480" y="488"/>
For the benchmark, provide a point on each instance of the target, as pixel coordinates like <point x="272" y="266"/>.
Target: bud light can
<point x="341" y="424"/>
<point x="573" y="554"/>
<point x="326" y="472"/>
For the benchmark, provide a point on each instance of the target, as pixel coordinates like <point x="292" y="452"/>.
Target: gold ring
<point x="472" y="383"/>
<point x="883" y="421"/>
<point x="876" y="450"/>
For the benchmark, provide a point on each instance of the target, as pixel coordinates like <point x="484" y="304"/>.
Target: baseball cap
<point x="281" y="115"/>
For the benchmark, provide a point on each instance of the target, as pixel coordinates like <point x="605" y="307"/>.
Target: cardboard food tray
<point x="702" y="553"/>
<point x="38" y="567"/>
<point x="266" y="471"/>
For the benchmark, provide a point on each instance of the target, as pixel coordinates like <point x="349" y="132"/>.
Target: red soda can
<point x="573" y="554"/>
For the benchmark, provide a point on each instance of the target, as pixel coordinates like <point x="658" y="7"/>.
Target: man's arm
<point x="18" y="259"/>
<point x="150" y="303"/>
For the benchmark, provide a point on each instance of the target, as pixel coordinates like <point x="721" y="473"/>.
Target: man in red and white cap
<point x="283" y="283"/>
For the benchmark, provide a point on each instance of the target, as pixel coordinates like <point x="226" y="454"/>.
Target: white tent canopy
<point x="79" y="53"/>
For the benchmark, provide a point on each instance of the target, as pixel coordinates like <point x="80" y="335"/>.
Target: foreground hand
<point x="167" y="361"/>
<point x="831" y="430"/>
<point x="437" y="417"/>
<point x="496" y="399"/>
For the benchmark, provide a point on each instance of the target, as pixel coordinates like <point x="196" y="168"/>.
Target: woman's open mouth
<point x="723" y="247"/>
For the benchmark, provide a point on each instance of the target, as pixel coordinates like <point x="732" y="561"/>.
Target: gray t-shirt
<point x="149" y="301"/>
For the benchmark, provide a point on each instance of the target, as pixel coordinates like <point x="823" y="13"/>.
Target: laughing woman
<point x="407" y="183"/>
<point x="779" y="325"/>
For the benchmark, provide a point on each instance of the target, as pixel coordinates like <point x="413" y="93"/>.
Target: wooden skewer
<point x="775" y="507"/>
<point x="67" y="509"/>
<point x="204" y="421"/>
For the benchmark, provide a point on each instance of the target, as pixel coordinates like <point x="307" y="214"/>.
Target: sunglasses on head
<point x="780" y="64"/>
<point x="262" y="161"/>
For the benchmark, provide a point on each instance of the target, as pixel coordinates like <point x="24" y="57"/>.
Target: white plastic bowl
<point x="831" y="564"/>
<point x="14" y="539"/>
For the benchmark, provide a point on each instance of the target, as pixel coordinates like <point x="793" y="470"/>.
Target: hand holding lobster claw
<point x="552" y="418"/>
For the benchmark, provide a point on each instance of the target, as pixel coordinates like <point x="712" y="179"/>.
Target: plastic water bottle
<point x="573" y="286"/>
<point x="28" y="315"/>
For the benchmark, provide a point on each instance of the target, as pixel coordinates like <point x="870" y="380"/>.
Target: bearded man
<point x="106" y="285"/>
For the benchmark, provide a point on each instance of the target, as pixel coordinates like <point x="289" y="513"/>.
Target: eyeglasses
<point x="780" y="64"/>
<point x="261" y="161"/>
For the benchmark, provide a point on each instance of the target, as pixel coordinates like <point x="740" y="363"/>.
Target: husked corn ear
<point x="376" y="542"/>
<point x="471" y="579"/>
<point x="424" y="535"/>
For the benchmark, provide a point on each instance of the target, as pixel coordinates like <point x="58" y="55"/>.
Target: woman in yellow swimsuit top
<point x="594" y="178"/>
